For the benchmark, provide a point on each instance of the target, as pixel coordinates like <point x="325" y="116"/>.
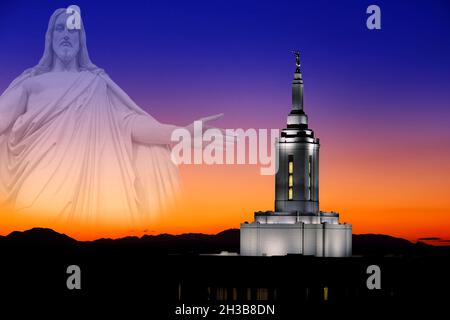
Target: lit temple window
<point x="325" y="293"/>
<point x="291" y="177"/>
<point x="310" y="177"/>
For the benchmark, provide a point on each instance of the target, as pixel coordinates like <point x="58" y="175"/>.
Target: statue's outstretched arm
<point x="12" y="104"/>
<point x="146" y="129"/>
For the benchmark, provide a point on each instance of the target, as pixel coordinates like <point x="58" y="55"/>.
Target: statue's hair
<point x="46" y="62"/>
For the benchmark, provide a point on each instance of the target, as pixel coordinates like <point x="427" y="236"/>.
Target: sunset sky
<point x="378" y="100"/>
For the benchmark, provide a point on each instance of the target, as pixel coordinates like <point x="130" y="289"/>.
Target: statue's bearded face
<point x="66" y="42"/>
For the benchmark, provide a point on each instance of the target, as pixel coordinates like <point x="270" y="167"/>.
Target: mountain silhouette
<point x="38" y="236"/>
<point x="199" y="243"/>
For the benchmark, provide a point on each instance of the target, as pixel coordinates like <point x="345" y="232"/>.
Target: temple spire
<point x="297" y="116"/>
<point x="297" y="85"/>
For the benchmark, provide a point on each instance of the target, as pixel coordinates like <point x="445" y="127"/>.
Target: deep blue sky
<point x="192" y="58"/>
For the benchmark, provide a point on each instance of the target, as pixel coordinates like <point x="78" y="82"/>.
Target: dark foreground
<point x="142" y="281"/>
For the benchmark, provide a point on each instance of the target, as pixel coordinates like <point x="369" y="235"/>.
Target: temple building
<point x="297" y="226"/>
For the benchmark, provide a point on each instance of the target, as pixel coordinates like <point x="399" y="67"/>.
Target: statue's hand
<point x="204" y="121"/>
<point x="205" y="126"/>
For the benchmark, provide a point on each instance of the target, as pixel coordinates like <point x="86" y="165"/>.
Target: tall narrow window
<point x="291" y="177"/>
<point x="310" y="177"/>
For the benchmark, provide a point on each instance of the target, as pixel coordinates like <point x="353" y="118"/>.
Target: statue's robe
<point x="70" y="161"/>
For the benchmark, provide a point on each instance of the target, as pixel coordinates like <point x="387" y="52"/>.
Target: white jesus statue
<point x="75" y="150"/>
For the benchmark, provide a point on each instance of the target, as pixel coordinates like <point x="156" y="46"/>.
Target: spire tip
<point x="297" y="60"/>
